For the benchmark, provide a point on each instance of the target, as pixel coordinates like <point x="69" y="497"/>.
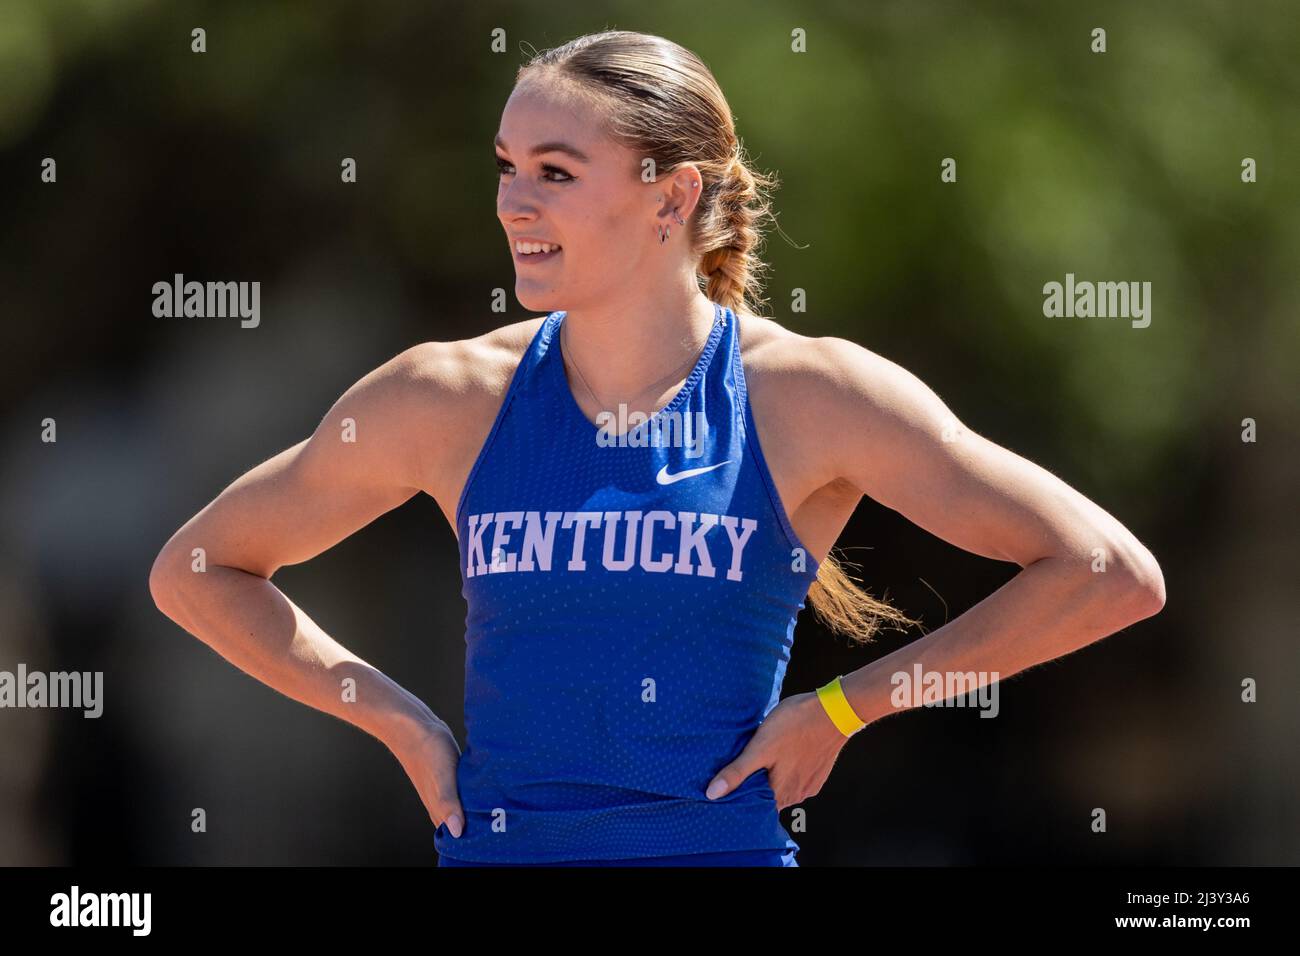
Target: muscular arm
<point x="896" y="441"/>
<point x="289" y="509"/>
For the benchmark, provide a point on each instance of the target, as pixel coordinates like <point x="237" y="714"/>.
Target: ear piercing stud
<point x="664" y="230"/>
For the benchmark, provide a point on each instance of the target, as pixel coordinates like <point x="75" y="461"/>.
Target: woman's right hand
<point x="430" y="755"/>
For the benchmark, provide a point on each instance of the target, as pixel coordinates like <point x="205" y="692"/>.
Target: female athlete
<point x="645" y="485"/>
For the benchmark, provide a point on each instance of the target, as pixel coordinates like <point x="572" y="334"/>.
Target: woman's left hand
<point x="797" y="743"/>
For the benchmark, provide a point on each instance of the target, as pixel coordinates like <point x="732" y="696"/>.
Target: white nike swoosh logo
<point x="666" y="479"/>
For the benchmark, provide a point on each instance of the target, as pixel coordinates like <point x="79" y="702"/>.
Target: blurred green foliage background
<point x="1115" y="166"/>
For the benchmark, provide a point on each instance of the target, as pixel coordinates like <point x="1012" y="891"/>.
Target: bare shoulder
<point x="444" y="396"/>
<point x="771" y="351"/>
<point x="812" y="392"/>
<point x="769" y="348"/>
<point x="471" y="369"/>
<point x="822" y="372"/>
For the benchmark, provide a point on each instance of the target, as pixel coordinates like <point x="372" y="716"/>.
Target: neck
<point x="622" y="348"/>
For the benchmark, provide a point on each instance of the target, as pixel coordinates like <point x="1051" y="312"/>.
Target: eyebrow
<point x="554" y="146"/>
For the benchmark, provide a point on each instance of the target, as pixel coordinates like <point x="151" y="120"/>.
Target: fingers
<point x="724" y="781"/>
<point x="719" y="785"/>
<point x="446" y="796"/>
<point x="438" y="791"/>
<point x="448" y="808"/>
<point x="447" y="811"/>
<point x="730" y="776"/>
<point x="455" y="823"/>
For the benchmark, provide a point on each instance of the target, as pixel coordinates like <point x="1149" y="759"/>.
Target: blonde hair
<point x="661" y="101"/>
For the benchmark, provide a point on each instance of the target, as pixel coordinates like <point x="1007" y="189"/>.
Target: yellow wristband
<point x="837" y="706"/>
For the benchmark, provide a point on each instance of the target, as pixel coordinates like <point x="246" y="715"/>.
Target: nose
<point x="516" y="202"/>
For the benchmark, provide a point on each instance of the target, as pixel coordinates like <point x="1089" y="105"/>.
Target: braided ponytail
<point x="730" y="273"/>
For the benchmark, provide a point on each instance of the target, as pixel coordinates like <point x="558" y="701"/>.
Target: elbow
<point x="1147" y="596"/>
<point x="1156" y="588"/>
<point x="1144" y="583"/>
<point x="163" y="578"/>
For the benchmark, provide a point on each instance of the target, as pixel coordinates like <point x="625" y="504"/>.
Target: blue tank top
<point x="631" y="608"/>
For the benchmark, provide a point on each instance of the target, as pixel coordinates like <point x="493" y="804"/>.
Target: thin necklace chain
<point x="582" y="378"/>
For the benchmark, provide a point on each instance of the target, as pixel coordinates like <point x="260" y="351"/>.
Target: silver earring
<point x="680" y="220"/>
<point x="663" y="234"/>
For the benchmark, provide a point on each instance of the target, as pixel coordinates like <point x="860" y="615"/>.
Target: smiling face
<point x="563" y="182"/>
